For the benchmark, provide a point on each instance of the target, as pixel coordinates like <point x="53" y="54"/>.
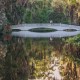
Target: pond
<point x="26" y="55"/>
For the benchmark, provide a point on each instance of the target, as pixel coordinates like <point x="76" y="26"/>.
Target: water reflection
<point x="55" y="34"/>
<point x="28" y="58"/>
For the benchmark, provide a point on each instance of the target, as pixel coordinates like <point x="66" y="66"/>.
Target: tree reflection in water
<point x="15" y="63"/>
<point x="36" y="59"/>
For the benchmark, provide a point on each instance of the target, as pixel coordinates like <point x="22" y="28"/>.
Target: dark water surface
<point x="35" y="58"/>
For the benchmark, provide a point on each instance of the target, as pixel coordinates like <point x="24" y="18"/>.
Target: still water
<point x="36" y="59"/>
<point x="37" y="56"/>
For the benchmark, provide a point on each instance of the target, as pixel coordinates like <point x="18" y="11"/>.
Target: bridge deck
<point x="59" y="33"/>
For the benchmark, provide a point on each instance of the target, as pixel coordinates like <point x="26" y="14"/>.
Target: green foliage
<point x="74" y="40"/>
<point x="41" y="16"/>
<point x="28" y="16"/>
<point x="57" y="17"/>
<point x="44" y="16"/>
<point x="15" y="13"/>
<point x="54" y="17"/>
<point x="40" y="11"/>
